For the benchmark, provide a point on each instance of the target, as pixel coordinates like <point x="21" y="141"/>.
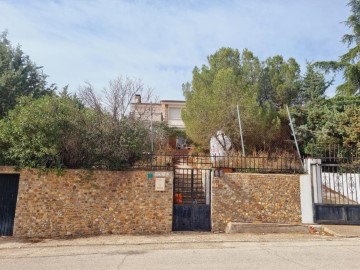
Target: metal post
<point x="192" y="186"/>
<point x="293" y="133"/>
<point x="311" y="170"/>
<point x="151" y="129"/>
<point x="241" y="134"/>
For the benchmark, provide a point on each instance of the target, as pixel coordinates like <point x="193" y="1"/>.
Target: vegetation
<point x="263" y="88"/>
<point x="334" y="121"/>
<point x="39" y="128"/>
<point x="57" y="131"/>
<point x="162" y="134"/>
<point x="337" y="120"/>
<point x="19" y="76"/>
<point x="348" y="63"/>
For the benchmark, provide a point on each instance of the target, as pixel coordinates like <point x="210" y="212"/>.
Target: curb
<point x="267" y="228"/>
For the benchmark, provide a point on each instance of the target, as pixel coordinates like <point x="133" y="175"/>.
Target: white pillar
<point x="313" y="168"/>
<point x="307" y="212"/>
<point x="310" y="189"/>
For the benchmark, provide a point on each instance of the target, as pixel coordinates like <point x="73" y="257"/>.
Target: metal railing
<point x="229" y="163"/>
<point x="336" y="154"/>
<point x="339" y="184"/>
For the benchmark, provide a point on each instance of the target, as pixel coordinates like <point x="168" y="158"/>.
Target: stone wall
<point x="245" y="197"/>
<point x="81" y="202"/>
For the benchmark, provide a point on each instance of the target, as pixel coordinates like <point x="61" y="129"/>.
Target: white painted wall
<point x="307" y="212"/>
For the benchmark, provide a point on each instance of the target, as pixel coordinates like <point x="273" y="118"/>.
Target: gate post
<point x="306" y="199"/>
<point x="314" y="169"/>
<point x="207" y="177"/>
<point x="319" y="183"/>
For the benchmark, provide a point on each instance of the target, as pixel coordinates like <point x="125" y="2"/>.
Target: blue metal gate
<point x="9" y="184"/>
<point x="192" y="200"/>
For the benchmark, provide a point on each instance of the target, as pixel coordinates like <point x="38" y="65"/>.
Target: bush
<point x="57" y="131"/>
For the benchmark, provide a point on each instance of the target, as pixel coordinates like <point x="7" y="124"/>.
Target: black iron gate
<point x="336" y="193"/>
<point x="192" y="200"/>
<point x="9" y="184"/>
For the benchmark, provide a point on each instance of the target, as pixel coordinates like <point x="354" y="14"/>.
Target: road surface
<point x="239" y="253"/>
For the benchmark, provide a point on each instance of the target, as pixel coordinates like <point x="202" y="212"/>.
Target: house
<point x="167" y="111"/>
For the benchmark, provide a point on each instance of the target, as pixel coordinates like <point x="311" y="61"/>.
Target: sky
<point x="162" y="41"/>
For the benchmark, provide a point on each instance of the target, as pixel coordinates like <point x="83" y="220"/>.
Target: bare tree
<point x="112" y="139"/>
<point x="121" y="93"/>
<point x="118" y="97"/>
<point x="88" y="96"/>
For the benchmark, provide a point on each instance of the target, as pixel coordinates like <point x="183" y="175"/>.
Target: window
<point x="174" y="114"/>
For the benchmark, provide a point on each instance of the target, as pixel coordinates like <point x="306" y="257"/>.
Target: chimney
<point x="138" y="99"/>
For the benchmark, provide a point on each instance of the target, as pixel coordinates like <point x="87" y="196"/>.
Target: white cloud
<point x="161" y="41"/>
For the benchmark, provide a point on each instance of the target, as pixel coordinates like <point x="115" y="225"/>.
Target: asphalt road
<point x="325" y="253"/>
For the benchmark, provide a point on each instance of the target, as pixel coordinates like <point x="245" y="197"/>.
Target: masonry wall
<point x="81" y="202"/>
<point x="244" y="197"/>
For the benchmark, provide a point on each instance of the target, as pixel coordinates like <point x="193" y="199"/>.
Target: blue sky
<point x="162" y="41"/>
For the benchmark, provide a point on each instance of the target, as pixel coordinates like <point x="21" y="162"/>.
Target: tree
<point x="212" y="88"/>
<point x="115" y="134"/>
<point x="285" y="81"/>
<point x="117" y="97"/>
<point x="313" y="85"/>
<point x="33" y="131"/>
<point x="231" y="78"/>
<point x="58" y="131"/>
<point x="350" y="122"/>
<point x="324" y="122"/>
<point x="348" y="63"/>
<point x="19" y="76"/>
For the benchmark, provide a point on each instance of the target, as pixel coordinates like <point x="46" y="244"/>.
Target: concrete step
<point x="259" y="228"/>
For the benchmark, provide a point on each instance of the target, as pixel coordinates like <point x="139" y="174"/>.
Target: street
<point x="186" y="251"/>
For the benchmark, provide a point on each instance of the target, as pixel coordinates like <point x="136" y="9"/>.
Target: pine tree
<point x="348" y="63"/>
<point x="19" y="76"/>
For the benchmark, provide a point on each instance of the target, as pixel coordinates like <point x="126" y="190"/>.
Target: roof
<point x="147" y="103"/>
<point x="173" y="101"/>
<point x="161" y="101"/>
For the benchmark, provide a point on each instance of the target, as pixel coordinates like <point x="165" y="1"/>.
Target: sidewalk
<point x="316" y="233"/>
<point x="171" y="238"/>
<point x="347" y="231"/>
